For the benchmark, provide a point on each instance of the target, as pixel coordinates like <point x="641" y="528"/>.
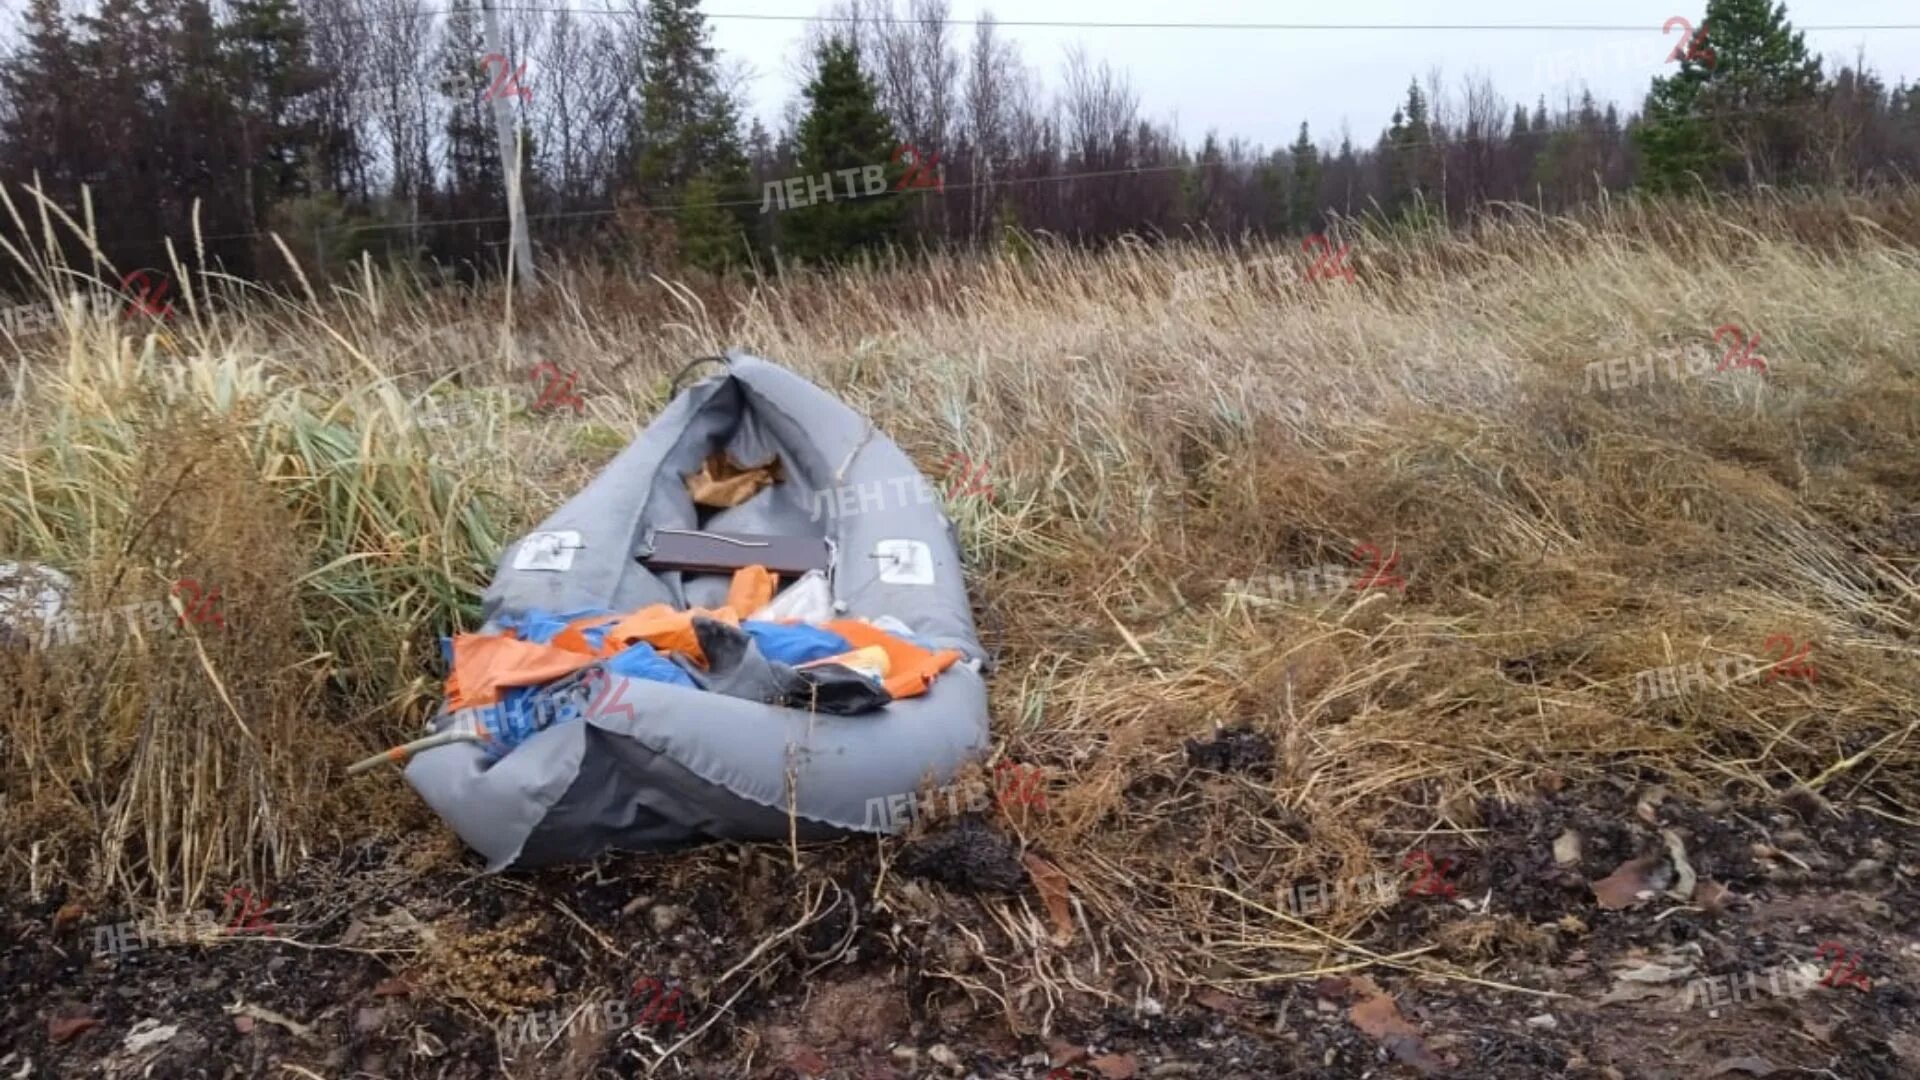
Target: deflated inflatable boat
<point x="653" y="764"/>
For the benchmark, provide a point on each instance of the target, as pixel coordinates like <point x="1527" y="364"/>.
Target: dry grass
<point x="1557" y="539"/>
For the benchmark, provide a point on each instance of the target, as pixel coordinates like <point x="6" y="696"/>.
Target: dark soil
<point x="1236" y="749"/>
<point x="406" y="961"/>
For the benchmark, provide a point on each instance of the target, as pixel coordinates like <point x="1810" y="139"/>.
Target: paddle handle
<point x="401" y="754"/>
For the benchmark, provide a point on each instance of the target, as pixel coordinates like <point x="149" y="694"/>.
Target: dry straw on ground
<point x="1143" y="451"/>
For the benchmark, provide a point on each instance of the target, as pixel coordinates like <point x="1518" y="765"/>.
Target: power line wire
<point x="1077" y="24"/>
<point x="1146" y="170"/>
<point x="1029" y="23"/>
<point x="1090" y="24"/>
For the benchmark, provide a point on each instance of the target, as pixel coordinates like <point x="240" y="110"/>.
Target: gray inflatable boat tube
<point x="673" y="766"/>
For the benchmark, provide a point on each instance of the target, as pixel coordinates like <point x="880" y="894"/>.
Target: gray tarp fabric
<point x="669" y="766"/>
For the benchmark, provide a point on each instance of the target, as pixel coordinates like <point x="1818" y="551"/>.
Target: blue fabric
<point x="788" y="643"/>
<point x="795" y="643"/>
<point x="508" y="722"/>
<point x="642" y="661"/>
<point x="540" y="627"/>
<point x="524" y="711"/>
<point x="596" y="635"/>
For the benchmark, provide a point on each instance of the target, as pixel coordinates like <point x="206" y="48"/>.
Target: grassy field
<point x="1173" y="437"/>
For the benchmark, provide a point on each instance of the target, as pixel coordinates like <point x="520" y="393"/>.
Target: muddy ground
<point x="406" y="961"/>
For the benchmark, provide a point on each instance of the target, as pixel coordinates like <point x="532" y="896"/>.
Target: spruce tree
<point x="1305" y="190"/>
<point x="214" y="144"/>
<point x="1408" y="149"/>
<point x="1200" y="185"/>
<point x="272" y="79"/>
<point x="689" y="156"/>
<point x="1742" y="110"/>
<point x="707" y="233"/>
<point x="844" y="129"/>
<point x="46" y="129"/>
<point x="125" y="51"/>
<point x="1275" y="198"/>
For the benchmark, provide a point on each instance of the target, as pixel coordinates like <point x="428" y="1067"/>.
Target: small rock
<point x="243" y="1024"/>
<point x="1061" y="1052"/>
<point x="1544" y="1020"/>
<point x="942" y="1056"/>
<point x="807" y="1061"/>
<point x="905" y="1055"/>
<point x="1633" y="882"/>
<point x="664" y="917"/>
<point x="367" y="1020"/>
<point x="1652" y="973"/>
<point x="1864" y="871"/>
<point x="1785" y="874"/>
<point x="149" y="1032"/>
<point x="1805" y="804"/>
<point x="1566" y="849"/>
<point x="1648" y="808"/>
<point x="1752" y="1065"/>
<point x="957" y="955"/>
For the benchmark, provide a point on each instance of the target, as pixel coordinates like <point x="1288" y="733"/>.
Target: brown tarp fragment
<point x="723" y="482"/>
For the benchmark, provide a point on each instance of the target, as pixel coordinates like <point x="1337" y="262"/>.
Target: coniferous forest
<point x="365" y="127"/>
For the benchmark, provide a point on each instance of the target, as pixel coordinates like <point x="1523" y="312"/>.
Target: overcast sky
<point x="1260" y="84"/>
